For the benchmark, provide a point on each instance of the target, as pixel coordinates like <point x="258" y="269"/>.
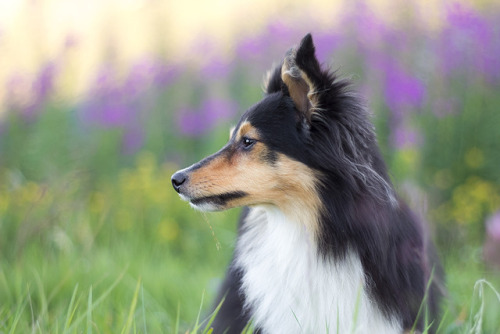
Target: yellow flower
<point x="474" y="158"/>
<point x="473" y="199"/>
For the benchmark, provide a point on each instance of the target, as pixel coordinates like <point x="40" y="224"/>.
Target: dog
<point x="324" y="245"/>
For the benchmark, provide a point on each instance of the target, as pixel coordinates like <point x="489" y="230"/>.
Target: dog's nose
<point x="178" y="179"/>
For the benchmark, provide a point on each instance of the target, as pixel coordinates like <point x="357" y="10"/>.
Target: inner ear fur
<point x="299" y="69"/>
<point x="297" y="87"/>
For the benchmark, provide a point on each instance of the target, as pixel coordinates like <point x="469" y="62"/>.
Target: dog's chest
<point x="289" y="289"/>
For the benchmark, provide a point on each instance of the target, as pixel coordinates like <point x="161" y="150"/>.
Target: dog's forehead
<point x="268" y="114"/>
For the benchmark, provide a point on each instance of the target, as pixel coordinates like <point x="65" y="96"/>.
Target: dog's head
<point x="306" y="127"/>
<point x="266" y="158"/>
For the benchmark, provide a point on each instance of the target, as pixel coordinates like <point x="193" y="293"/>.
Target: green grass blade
<point x="479" y="286"/>
<point x="248" y="329"/>
<point x="71" y="309"/>
<point x="133" y="306"/>
<point x="41" y="293"/>
<point x="6" y="288"/>
<point x="99" y="300"/>
<point x="356" y="310"/>
<point x="143" y="310"/>
<point x="177" y="318"/>
<point x="197" y="325"/>
<point x="424" y="300"/>
<point x="212" y="318"/>
<point x="338" y="320"/>
<point x="297" y="320"/>
<point x="19" y="312"/>
<point x="442" y="321"/>
<point x="89" y="312"/>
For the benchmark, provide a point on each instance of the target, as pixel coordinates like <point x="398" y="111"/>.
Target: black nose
<point x="178" y="179"/>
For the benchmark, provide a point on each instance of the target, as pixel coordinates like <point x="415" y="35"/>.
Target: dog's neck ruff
<point x="290" y="288"/>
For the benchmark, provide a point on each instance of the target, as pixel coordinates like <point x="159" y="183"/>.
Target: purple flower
<point x="279" y="31"/>
<point x="117" y="105"/>
<point x="469" y="42"/>
<point x="468" y="22"/>
<point x="113" y="114"/>
<point x="164" y="74"/>
<point x="190" y="122"/>
<point x="148" y="72"/>
<point x="215" y="110"/>
<point x="196" y="122"/>
<point x="325" y="45"/>
<point x="404" y="137"/>
<point x="491" y="248"/>
<point x="132" y="140"/>
<point x="370" y="31"/>
<point x="27" y="94"/>
<point x="403" y="91"/>
<point x="493" y="226"/>
<point x="44" y="81"/>
<point x="214" y="65"/>
<point x="139" y="78"/>
<point x="252" y="47"/>
<point x="216" y="69"/>
<point x="124" y="103"/>
<point x="107" y="104"/>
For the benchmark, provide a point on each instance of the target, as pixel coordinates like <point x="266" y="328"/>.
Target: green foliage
<point x="125" y="254"/>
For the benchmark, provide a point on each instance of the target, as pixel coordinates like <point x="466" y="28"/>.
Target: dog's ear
<point x="272" y="80"/>
<point x="301" y="73"/>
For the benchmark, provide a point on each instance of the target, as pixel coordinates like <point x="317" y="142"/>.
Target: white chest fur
<point x="291" y="290"/>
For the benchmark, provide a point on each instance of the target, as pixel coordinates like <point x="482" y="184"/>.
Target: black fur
<point x="221" y="199"/>
<point x="363" y="213"/>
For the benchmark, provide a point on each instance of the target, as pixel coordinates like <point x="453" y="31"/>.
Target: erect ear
<point x="299" y="72"/>
<point x="272" y="80"/>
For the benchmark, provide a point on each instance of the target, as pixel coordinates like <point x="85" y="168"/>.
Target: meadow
<point x="93" y="239"/>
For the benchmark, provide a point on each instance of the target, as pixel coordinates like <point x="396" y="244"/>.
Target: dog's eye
<point x="247" y="142"/>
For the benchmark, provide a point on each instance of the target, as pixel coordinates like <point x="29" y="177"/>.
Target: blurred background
<point x="100" y="102"/>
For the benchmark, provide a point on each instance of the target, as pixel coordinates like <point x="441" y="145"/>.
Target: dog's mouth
<point x="214" y="202"/>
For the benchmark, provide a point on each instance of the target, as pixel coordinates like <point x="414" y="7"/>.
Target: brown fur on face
<point x="281" y="181"/>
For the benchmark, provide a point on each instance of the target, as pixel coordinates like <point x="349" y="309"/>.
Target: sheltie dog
<point x="325" y="245"/>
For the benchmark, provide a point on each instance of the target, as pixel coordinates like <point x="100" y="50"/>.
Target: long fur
<point x="366" y="265"/>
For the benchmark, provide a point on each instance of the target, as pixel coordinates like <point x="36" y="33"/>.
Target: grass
<point x="83" y="253"/>
<point x="139" y="289"/>
<point x="125" y="255"/>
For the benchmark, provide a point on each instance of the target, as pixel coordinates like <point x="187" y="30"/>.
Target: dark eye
<point x="247" y="142"/>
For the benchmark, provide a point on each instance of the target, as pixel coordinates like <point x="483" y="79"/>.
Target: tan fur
<point x="312" y="94"/>
<point x="297" y="87"/>
<point x="300" y="87"/>
<point x="288" y="184"/>
<point x="247" y="130"/>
